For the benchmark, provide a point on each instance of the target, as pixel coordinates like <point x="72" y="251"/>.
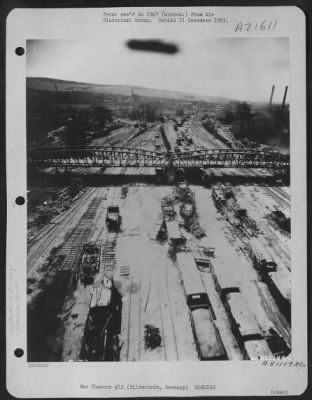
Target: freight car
<point x="244" y="322"/>
<point x="113" y="218"/>
<point x="90" y="263"/>
<point x="175" y="237"/>
<point x="258" y="349"/>
<point x="196" y="295"/>
<point x="225" y="279"/>
<point x="261" y="257"/>
<point x="246" y="328"/>
<point x="206" y="334"/>
<point x="218" y="197"/>
<point x="102" y="328"/>
<point x="189" y="139"/>
<point x="208" y="341"/>
<point x="279" y="283"/>
<point x="275" y="276"/>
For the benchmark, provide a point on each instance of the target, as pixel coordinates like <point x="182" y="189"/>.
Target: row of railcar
<point x="279" y="283"/>
<point x="244" y="326"/>
<point x="206" y="334"/>
<point x="277" y="279"/>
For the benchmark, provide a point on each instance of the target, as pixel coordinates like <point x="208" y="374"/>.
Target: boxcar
<point x="208" y="341"/>
<point x="175" y="236"/>
<point x="196" y="295"/>
<point x="257" y="349"/>
<point x="282" y="282"/>
<point x="225" y="279"/>
<point x="280" y="286"/>
<point x="244" y="321"/>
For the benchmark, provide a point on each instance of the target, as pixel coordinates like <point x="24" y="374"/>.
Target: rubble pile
<point x="152" y="338"/>
<point x="192" y="225"/>
<point x="35" y="282"/>
<point x="52" y="204"/>
<point x="167" y="207"/>
<point x="238" y="217"/>
<point x="183" y="196"/>
<point x="124" y="192"/>
<point x="280" y="219"/>
<point x="188" y="211"/>
<point x="89" y="263"/>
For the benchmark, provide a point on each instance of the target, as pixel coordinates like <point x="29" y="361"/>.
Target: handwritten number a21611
<point x="248" y="26"/>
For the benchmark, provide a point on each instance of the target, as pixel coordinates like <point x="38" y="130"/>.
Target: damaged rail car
<point x="206" y="334"/>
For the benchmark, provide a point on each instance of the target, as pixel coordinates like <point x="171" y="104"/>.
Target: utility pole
<point x="271" y="97"/>
<point x="284" y="98"/>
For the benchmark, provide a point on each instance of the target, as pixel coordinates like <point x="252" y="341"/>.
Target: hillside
<point x="49" y="84"/>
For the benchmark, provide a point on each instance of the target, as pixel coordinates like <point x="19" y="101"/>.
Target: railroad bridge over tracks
<point x="99" y="156"/>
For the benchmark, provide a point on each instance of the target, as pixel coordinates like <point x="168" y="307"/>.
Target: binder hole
<point x="18" y="353"/>
<point x="20" y="200"/>
<point x="19" y="51"/>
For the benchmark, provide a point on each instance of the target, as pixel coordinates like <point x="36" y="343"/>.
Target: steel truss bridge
<point x="99" y="156"/>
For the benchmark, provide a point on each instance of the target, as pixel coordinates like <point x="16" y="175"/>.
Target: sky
<point x="236" y="68"/>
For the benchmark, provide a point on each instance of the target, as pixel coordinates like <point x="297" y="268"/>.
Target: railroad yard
<point x="132" y="263"/>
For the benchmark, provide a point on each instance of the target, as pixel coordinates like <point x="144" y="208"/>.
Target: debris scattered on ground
<point x="226" y="202"/>
<point x="49" y="203"/>
<point x="280" y="219"/>
<point x="124" y="192"/>
<point x="152" y="338"/>
<point x="43" y="276"/>
<point x="90" y="263"/>
<point x="77" y="323"/>
<point x="184" y="197"/>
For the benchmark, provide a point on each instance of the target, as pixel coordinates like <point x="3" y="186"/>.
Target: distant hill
<point x="48" y="84"/>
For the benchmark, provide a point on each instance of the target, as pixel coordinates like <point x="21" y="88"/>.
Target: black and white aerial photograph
<point x="158" y="199"/>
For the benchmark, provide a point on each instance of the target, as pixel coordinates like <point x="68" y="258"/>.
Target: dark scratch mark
<point x="153" y="45"/>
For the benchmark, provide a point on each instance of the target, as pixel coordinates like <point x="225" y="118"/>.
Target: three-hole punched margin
<point x="18" y="352"/>
<point x="20" y="200"/>
<point x="19" y="51"/>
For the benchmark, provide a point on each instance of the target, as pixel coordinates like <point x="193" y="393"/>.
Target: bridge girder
<point x="95" y="156"/>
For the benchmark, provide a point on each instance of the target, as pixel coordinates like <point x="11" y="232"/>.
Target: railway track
<point x="170" y="310"/>
<point x="162" y="328"/>
<point x="135" y="328"/>
<point x="169" y="342"/>
<point x="140" y="320"/>
<point x="277" y="319"/>
<point x="45" y="238"/>
<point x="276" y="197"/>
<point x="276" y="193"/>
<point x="283" y="194"/>
<point x="78" y="236"/>
<point x="203" y="137"/>
<point x="108" y="255"/>
<point x="164" y="309"/>
<point x="33" y="199"/>
<point x="129" y="317"/>
<point x="45" y="230"/>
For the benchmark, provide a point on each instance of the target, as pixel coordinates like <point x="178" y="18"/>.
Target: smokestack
<point x="284" y="98"/>
<point x="272" y="92"/>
